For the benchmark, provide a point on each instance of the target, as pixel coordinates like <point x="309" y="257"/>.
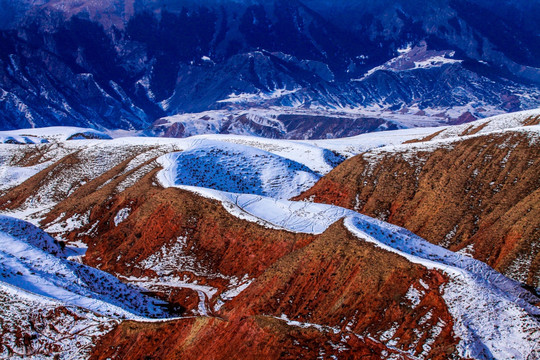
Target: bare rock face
<point x="479" y="195"/>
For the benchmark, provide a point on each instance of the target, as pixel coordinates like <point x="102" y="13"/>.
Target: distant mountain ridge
<point x="126" y="64"/>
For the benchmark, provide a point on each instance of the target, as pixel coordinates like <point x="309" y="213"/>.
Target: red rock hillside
<point x="337" y="296"/>
<point x="479" y="195"/>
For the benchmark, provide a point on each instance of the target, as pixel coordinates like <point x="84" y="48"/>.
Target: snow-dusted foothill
<point x="29" y="260"/>
<point x="493" y="315"/>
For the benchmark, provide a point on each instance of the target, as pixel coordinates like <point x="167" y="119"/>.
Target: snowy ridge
<point x="492" y="124"/>
<point x="473" y="285"/>
<point x="25" y="262"/>
<point x="44" y="135"/>
<point x="238" y="168"/>
<point x="314" y="155"/>
<point x="445" y="137"/>
<point x="260" y="96"/>
<point x="358" y="144"/>
<point x="412" y="58"/>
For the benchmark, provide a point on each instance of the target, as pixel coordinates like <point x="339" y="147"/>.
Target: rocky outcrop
<point x="478" y="195"/>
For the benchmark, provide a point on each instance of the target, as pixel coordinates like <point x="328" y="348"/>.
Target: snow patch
<point x="236" y="168"/>
<point x="414" y="296"/>
<point x="121" y="215"/>
<point x="29" y="261"/>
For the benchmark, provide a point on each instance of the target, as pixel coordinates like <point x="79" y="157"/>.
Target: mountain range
<point x="167" y="67"/>
<point x="270" y="179"/>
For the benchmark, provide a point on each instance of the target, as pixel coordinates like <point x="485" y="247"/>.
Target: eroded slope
<point x="479" y="195"/>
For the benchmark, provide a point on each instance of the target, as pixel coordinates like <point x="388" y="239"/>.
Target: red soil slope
<point x="352" y="290"/>
<point x="480" y="195"/>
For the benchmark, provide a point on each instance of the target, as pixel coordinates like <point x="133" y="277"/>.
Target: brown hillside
<point x="352" y="290"/>
<point x="217" y="247"/>
<point x="480" y="195"/>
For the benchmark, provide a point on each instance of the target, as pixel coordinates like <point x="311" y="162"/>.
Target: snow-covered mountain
<point x="224" y="248"/>
<point x="134" y="64"/>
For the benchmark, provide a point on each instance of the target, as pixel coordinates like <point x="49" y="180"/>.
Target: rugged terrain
<point x="274" y="68"/>
<point x="201" y="229"/>
<point x="468" y="188"/>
